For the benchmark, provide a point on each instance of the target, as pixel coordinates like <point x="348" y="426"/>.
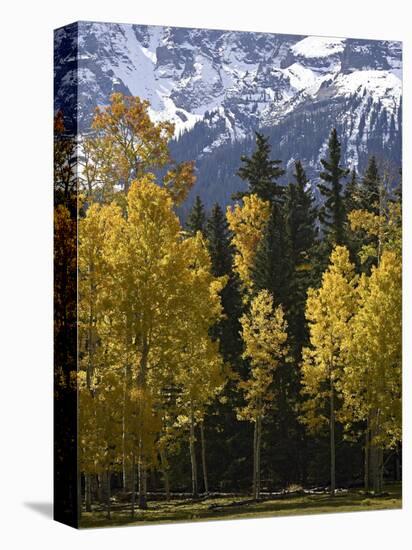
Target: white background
<point x="26" y="271"/>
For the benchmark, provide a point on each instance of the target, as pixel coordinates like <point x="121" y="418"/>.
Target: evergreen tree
<point x="272" y="263"/>
<point x="260" y="172"/>
<point x="368" y="198"/>
<point x="332" y="213"/>
<point x="370" y="188"/>
<point x="197" y="218"/>
<point x="221" y="255"/>
<point x="353" y="202"/>
<point x="300" y="217"/>
<point x="301" y="234"/>
<point x="352" y="193"/>
<point x="219" y="245"/>
<point x="283" y="261"/>
<point x="222" y="427"/>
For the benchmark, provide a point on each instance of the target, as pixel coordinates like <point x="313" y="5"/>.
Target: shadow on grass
<point x="236" y="508"/>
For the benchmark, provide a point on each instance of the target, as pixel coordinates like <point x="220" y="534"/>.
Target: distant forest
<point x="299" y="135"/>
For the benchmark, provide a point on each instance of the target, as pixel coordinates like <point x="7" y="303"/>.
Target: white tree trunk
<point x="192" y="439"/>
<point x="255" y="428"/>
<point x="204" y="465"/>
<point x="332" y="440"/>
<point x="133" y="485"/>
<point x="142" y="480"/>
<point x="367" y="458"/>
<point x="258" y="447"/>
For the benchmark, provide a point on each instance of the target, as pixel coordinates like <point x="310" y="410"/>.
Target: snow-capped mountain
<point x="219" y="86"/>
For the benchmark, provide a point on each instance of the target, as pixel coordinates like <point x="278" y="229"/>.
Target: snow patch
<point x="381" y="85"/>
<point x="318" y="47"/>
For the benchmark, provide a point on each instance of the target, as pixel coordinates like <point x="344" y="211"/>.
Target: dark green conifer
<point x="197" y="217"/>
<point x="370" y="188"/>
<point x="332" y="214"/>
<point x="272" y="265"/>
<point x="301" y="234"/>
<point x="221" y="255"/>
<point x="352" y="193"/>
<point x="300" y="217"/>
<point x="260" y="172"/>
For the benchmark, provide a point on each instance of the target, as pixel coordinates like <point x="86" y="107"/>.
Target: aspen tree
<point x="124" y="145"/>
<point x="264" y="335"/>
<point x="328" y="311"/>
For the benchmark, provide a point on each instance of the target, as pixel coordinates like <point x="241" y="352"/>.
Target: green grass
<point x="244" y="507"/>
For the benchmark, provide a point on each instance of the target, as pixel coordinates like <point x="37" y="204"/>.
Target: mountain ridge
<point x="227" y="84"/>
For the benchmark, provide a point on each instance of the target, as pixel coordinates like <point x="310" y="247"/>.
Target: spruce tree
<point x="352" y="193"/>
<point x="260" y="172"/>
<point x="300" y="217"/>
<point x="221" y="255"/>
<point x="301" y="235"/>
<point x="332" y="213"/>
<point x="219" y="245"/>
<point x="223" y="427"/>
<point x="197" y="217"/>
<point x="272" y="266"/>
<point x="370" y="188"/>
<point x="353" y="201"/>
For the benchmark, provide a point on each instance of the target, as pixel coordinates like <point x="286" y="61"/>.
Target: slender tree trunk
<point x="100" y="497"/>
<point x="375" y="469"/>
<point x="141" y="382"/>
<point x="124" y="474"/>
<point x="258" y="446"/>
<point x="192" y="439"/>
<point x="332" y="440"/>
<point x="126" y="465"/>
<point x="367" y="457"/>
<point x="142" y="482"/>
<point x="165" y="474"/>
<point x="398" y="468"/>
<point x="376" y="454"/>
<point x="108" y="494"/>
<point x="204" y="465"/>
<point x="133" y="485"/>
<point x="255" y="434"/>
<point x="88" y="492"/>
<point x="145" y="480"/>
<point x="381" y="465"/>
<point x="79" y="493"/>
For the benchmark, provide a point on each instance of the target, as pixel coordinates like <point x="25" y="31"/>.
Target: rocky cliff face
<point x="219" y="86"/>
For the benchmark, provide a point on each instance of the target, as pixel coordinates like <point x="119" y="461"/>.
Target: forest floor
<point x="236" y="507"/>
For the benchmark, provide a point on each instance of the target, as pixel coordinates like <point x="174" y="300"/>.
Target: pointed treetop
<point x="197" y="217"/>
<point x="370" y="187"/>
<point x="332" y="213"/>
<point x="260" y="172"/>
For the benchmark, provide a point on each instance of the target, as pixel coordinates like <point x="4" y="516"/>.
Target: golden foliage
<point x="371" y="385"/>
<point x="328" y="311"/>
<point x="264" y="332"/>
<point x="125" y="144"/>
<point x="247" y="222"/>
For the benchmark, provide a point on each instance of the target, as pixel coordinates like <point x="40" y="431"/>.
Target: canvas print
<point x="228" y="295"/>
